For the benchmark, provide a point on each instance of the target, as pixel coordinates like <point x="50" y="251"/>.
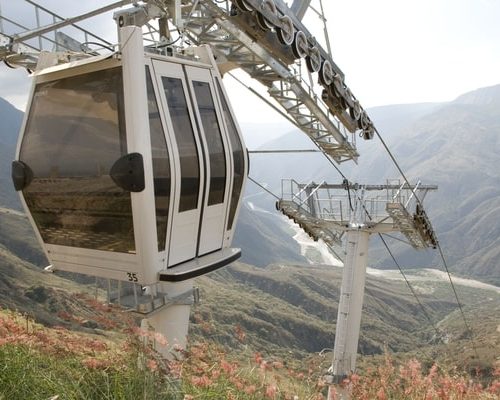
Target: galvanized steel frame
<point x="208" y="22"/>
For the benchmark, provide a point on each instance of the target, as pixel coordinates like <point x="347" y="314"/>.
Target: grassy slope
<point x="290" y="311"/>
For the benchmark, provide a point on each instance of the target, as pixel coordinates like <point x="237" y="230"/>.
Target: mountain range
<point x="455" y="145"/>
<point x="11" y="119"/>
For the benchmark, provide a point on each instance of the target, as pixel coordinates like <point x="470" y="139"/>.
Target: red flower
<point x="271" y="391"/>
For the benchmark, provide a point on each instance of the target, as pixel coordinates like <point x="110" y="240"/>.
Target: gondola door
<point x="188" y="161"/>
<point x="218" y="171"/>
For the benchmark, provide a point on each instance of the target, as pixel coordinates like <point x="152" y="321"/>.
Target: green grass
<point x="28" y="374"/>
<point x="40" y="363"/>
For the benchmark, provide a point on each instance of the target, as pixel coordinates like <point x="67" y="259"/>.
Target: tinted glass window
<point x="238" y="158"/>
<point x="184" y="135"/>
<point x="74" y="134"/>
<point x="214" y="141"/>
<point x="161" y="165"/>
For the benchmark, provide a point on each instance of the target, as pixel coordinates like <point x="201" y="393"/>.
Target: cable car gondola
<point x="132" y="166"/>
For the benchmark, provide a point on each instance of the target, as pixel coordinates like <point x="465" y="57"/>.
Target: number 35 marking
<point x="132" y="277"/>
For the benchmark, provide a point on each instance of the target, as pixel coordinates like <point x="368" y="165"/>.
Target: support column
<point x="350" y="305"/>
<point x="172" y="321"/>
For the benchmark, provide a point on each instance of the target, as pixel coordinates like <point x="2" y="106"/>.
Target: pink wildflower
<point x="381" y="394"/>
<point x="227" y="367"/>
<point x="160" y="339"/>
<point x="250" y="389"/>
<point x="271" y="391"/>
<point x="152" y="365"/>
<point x="93" y="363"/>
<point x="240" y="333"/>
<point x="215" y="374"/>
<point x="203" y="381"/>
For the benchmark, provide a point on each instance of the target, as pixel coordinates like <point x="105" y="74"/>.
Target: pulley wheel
<point x="339" y="91"/>
<point x="285" y="30"/>
<point x="355" y="110"/>
<point x="299" y="45"/>
<point x="349" y="98"/>
<point x="243" y="5"/>
<point x="313" y="60"/>
<point x="326" y="73"/>
<point x="330" y="96"/>
<point x="269" y="7"/>
<point x="338" y="86"/>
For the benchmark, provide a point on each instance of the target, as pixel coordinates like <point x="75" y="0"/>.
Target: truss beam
<point x="316" y="228"/>
<point x="274" y="68"/>
<point x="238" y="42"/>
<point x="335" y="206"/>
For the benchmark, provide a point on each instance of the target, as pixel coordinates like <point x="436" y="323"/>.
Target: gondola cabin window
<point x="215" y="144"/>
<point x="238" y="158"/>
<point x="74" y="133"/>
<point x="161" y="164"/>
<point x="184" y="136"/>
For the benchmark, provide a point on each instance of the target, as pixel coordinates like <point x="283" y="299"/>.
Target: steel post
<point x="350" y="307"/>
<point x="170" y="324"/>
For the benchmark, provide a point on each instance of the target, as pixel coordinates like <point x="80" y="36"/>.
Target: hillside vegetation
<point x="286" y="311"/>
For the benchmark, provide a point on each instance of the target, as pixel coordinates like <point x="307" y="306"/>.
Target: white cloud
<point x="15" y="84"/>
<point x="396" y="51"/>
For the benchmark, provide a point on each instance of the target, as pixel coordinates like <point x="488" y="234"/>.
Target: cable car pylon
<point x="358" y="211"/>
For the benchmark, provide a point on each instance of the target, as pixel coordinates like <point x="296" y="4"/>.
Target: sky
<point x="391" y="51"/>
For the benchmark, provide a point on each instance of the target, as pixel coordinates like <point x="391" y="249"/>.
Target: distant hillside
<point x="454" y="145"/>
<point x="488" y="96"/>
<point x="10" y="124"/>
<point x="265" y="238"/>
<point x="458" y="147"/>
<point x="294" y="308"/>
